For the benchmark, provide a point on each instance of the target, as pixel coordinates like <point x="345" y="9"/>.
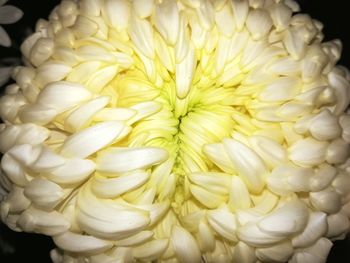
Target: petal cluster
<point x="178" y="131"/>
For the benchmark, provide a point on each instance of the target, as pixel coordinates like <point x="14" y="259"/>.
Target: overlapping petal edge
<point x="178" y="131"/>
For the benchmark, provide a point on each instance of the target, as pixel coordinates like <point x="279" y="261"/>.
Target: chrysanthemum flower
<point x="178" y="131"/>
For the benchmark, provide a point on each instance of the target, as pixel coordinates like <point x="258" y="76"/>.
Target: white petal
<point x="117" y="13"/>
<point x="25" y="154"/>
<point x="323" y="177"/>
<point x="39" y="221"/>
<point x="4" y="38"/>
<point x="327" y="201"/>
<point x="317" y="253"/>
<point x="239" y="194"/>
<point x="167" y="20"/>
<point x="248" y="164"/>
<point x="37" y="113"/>
<point x="119" y="160"/>
<point x="100" y="79"/>
<point x="185" y="246"/>
<point x="213" y="182"/>
<point x="284" y="88"/>
<point x="225" y="21"/>
<point x="90" y="7"/>
<point x="281" y="15"/>
<point x="52" y="72"/>
<point x="224" y="223"/>
<point x="253" y="236"/>
<point x="240" y="12"/>
<point x="207" y="198"/>
<point x="63" y="95"/>
<point x="258" y="23"/>
<point x="13" y="170"/>
<point x="325" y="126"/>
<point x="144" y="109"/>
<point x="217" y="154"/>
<point x="269" y="150"/>
<point x="151" y="250"/>
<point x="10" y="14"/>
<point x="143" y="8"/>
<point x="78" y="243"/>
<point x="244" y="253"/>
<point x="315" y="228"/>
<point x="73" y="171"/>
<point x="42" y="51"/>
<point x="136" y="239"/>
<point x="93" y="139"/>
<point x="337" y="152"/>
<point x="285" y="221"/>
<point x="47" y="160"/>
<point x="44" y="193"/>
<point x="277" y="253"/>
<point x="113" y="187"/>
<point x="107" y="219"/>
<point x="206" y="237"/>
<point x="141" y="34"/>
<point x="84" y="27"/>
<point x="338" y="224"/>
<point x="81" y="116"/>
<point x="184" y="74"/>
<point x="114" y="114"/>
<point x="308" y="152"/>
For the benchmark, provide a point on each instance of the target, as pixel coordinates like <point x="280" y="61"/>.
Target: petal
<point x="4" y="38"/>
<point x="78" y="243"/>
<point x="113" y="187"/>
<point x="184" y="245"/>
<point x="107" y="219"/>
<point x="39" y="221"/>
<point x="44" y="193"/>
<point x="285" y="221"/>
<point x="224" y="223"/>
<point x="248" y="164"/>
<point x="63" y="95"/>
<point x="119" y="160"/>
<point x="10" y="14"/>
<point x="151" y="250"/>
<point x="73" y="171"/>
<point x="93" y="139"/>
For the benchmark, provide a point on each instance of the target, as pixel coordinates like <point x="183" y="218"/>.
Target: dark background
<point x="34" y="248"/>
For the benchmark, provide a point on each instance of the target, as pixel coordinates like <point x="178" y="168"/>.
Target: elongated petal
<point x="112" y="187"/>
<point x="277" y="253"/>
<point x="167" y="20"/>
<point x="287" y="220"/>
<point x="44" y="193"/>
<point x="252" y="235"/>
<point x="119" y="160"/>
<point x="80" y="117"/>
<point x="224" y="223"/>
<point x="78" y="243"/>
<point x="151" y="250"/>
<point x="103" y="218"/>
<point x="248" y="164"/>
<point x="308" y="152"/>
<point x="136" y="239"/>
<point x="39" y="221"/>
<point x="63" y="95"/>
<point x="185" y="246"/>
<point x="73" y="171"/>
<point x="239" y="194"/>
<point x="185" y="73"/>
<point x="92" y="139"/>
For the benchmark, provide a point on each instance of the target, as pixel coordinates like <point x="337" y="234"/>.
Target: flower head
<point x="178" y="131"/>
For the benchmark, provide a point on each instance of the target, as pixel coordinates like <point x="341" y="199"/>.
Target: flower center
<point x="182" y="126"/>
